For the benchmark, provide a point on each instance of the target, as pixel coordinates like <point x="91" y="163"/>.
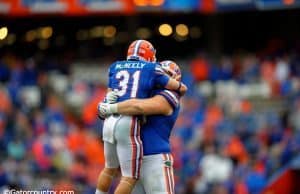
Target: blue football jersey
<point x="155" y="133"/>
<point x="136" y="79"/>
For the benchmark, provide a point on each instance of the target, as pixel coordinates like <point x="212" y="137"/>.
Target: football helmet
<point x="172" y="69"/>
<point x="141" y="50"/>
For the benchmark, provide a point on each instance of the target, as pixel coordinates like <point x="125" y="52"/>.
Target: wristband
<point x="113" y="108"/>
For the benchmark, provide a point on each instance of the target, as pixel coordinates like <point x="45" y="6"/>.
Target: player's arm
<point x="176" y="86"/>
<point x="151" y="106"/>
<point x="162" y="103"/>
<point x="167" y="82"/>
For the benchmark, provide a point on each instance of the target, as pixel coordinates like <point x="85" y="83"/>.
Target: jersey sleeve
<point x="172" y="97"/>
<point x="160" y="78"/>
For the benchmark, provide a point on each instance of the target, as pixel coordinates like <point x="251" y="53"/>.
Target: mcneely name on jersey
<point x="136" y="79"/>
<point x="128" y="65"/>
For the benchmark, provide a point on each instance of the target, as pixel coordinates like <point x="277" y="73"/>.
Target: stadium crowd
<point x="223" y="142"/>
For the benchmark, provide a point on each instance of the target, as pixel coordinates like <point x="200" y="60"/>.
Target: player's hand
<point x="102" y="117"/>
<point x="183" y="89"/>
<point x="101" y="112"/>
<point x="105" y="109"/>
<point x="111" y="97"/>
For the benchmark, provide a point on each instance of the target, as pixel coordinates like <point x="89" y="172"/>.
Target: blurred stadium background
<point x="239" y="128"/>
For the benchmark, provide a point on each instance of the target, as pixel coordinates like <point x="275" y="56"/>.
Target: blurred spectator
<point x="200" y="69"/>
<point x="215" y="168"/>
<point x="282" y="70"/>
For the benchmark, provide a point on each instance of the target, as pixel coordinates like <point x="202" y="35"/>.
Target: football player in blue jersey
<point x="136" y="77"/>
<point x="157" y="175"/>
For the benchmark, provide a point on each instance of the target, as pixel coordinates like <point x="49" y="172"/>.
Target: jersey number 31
<point x="124" y="78"/>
